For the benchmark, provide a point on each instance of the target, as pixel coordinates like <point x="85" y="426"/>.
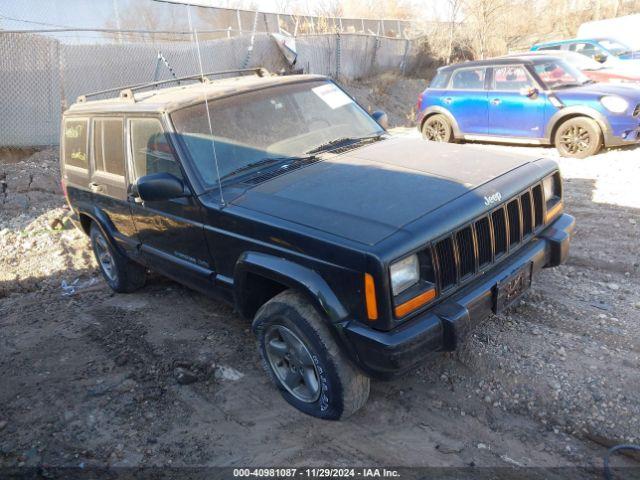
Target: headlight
<point x="404" y="273"/>
<point x="614" y="104"/>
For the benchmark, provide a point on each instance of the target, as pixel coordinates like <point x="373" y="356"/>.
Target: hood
<point x="630" y="92"/>
<point x="635" y="55"/>
<point x="369" y="193"/>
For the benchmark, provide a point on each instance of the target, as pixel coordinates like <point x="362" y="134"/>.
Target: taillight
<point x="419" y="104"/>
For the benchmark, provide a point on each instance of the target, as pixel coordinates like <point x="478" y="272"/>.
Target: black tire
<point x="343" y="389"/>
<point x="123" y="275"/>
<point x="437" y="128"/>
<point x="578" y="137"/>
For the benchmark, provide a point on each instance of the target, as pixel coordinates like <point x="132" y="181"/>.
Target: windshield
<point x="269" y="125"/>
<point x="557" y="74"/>
<point x="615" y="48"/>
<point x="581" y="62"/>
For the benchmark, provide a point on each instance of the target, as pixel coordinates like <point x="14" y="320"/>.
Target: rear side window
<point x="511" y="78"/>
<point x="150" y="149"/>
<point x="108" y="145"/>
<point x="76" y="143"/>
<point x="440" y="80"/>
<point x="469" y="79"/>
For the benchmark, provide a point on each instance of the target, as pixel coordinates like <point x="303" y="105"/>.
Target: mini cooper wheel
<point x="437" y="128"/>
<point x="303" y="360"/>
<point x="120" y="273"/>
<point x="578" y="137"/>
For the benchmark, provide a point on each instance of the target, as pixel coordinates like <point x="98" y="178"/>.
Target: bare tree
<point x="455" y="7"/>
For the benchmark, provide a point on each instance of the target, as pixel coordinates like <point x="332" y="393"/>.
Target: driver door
<point x="170" y="231"/>
<point x="511" y="112"/>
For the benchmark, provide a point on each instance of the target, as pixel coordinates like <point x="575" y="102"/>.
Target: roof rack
<point x="127" y="91"/>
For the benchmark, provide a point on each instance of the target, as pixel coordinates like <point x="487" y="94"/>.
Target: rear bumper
<point x="442" y="328"/>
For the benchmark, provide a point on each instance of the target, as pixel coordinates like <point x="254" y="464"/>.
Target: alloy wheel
<point x="575" y="139"/>
<point x="105" y="258"/>
<point x="292" y="363"/>
<point x="436" y="131"/>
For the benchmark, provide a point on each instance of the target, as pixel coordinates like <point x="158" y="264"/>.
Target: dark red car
<point x="592" y="69"/>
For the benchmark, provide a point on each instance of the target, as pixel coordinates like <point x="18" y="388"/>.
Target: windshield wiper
<point x="567" y="85"/>
<point x="341" y="140"/>
<point x="264" y="162"/>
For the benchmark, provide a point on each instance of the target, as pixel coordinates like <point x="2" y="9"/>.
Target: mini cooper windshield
<point x="557" y="74"/>
<point x="265" y="127"/>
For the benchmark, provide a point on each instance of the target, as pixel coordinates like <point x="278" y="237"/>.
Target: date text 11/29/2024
<point x="316" y="472"/>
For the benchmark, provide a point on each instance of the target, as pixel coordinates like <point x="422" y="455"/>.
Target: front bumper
<point x="622" y="131"/>
<point x="442" y="328"/>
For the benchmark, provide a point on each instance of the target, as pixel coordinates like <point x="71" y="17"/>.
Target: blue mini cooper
<point x="532" y="100"/>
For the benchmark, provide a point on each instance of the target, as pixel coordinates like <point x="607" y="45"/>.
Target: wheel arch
<point x="565" y="114"/>
<point x="258" y="277"/>
<point x="434" y="110"/>
<point x="103" y="222"/>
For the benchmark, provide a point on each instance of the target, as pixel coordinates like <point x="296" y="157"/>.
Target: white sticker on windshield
<point x="332" y="95"/>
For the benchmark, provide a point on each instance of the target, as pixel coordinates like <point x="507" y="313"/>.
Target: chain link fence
<point x="42" y="74"/>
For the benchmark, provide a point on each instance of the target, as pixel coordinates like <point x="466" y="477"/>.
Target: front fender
<point x="432" y="110"/>
<point x="291" y="274"/>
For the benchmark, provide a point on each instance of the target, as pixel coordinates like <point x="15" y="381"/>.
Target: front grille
<point x="464" y="242"/>
<point x="513" y="209"/>
<point x="483" y="234"/>
<point x="499" y="232"/>
<point x="446" y="262"/>
<point x="527" y="214"/>
<point x="475" y="246"/>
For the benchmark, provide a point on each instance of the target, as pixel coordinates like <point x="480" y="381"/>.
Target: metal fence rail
<point x="41" y="76"/>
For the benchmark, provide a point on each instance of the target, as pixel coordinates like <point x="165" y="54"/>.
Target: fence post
<point x="338" y="56"/>
<point x="403" y="64"/>
<point x="247" y="58"/>
<point x="376" y="45"/>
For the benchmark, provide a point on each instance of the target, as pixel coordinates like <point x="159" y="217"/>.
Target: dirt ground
<point x="92" y="378"/>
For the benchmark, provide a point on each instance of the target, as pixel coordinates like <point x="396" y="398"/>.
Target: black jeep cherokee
<point x="355" y="253"/>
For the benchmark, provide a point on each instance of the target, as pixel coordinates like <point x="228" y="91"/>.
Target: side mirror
<point x="530" y="92"/>
<point x="600" y="57"/>
<point x="382" y="119"/>
<point x="158" y="187"/>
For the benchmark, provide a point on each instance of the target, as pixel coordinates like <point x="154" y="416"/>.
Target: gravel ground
<point x="167" y="376"/>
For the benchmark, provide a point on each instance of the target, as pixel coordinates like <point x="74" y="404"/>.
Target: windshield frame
<point x="185" y="153"/>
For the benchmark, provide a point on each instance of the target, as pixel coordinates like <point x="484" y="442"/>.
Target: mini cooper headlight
<point x="614" y="104"/>
<point x="404" y="273"/>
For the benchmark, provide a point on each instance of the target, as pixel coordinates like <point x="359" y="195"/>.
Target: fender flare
<point x="105" y="224"/>
<point x="292" y="275"/>
<point x="437" y="109"/>
<point x="574" y="111"/>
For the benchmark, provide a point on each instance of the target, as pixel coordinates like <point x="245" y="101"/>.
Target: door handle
<point x="96" y="187"/>
<point x="447" y="100"/>
<point x="496" y="101"/>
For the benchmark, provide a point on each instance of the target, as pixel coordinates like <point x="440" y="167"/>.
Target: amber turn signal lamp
<point x="415" y="303"/>
<point x="553" y="211"/>
<point x="370" y="296"/>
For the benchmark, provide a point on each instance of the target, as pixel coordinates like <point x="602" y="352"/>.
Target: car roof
<point x="168" y="99"/>
<point x="508" y="60"/>
<point x="572" y="40"/>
